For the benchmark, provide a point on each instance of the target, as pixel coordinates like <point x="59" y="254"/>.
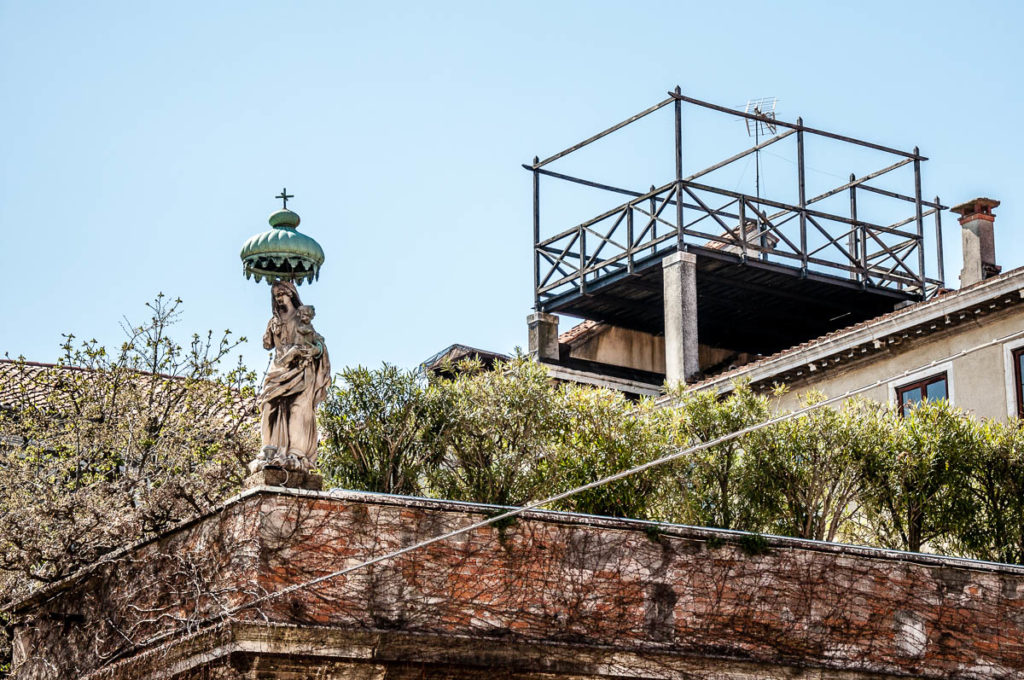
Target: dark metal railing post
<point x="629" y="237"/>
<point x="654" y="209"/>
<point x="583" y="260"/>
<point x="742" y="210"/>
<point x="762" y="234"/>
<point x="920" y="219"/>
<point x="938" y="240"/>
<point x="679" y="171"/>
<point x="536" y="235"/>
<point x="854" y="240"/>
<point x="802" y="192"/>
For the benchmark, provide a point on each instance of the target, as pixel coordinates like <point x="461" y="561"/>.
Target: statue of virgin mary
<point x="296" y="384"/>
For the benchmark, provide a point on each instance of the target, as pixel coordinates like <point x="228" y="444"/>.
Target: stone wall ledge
<point x="287" y="651"/>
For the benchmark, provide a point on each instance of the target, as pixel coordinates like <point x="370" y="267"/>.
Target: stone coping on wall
<point x="288" y="651"/>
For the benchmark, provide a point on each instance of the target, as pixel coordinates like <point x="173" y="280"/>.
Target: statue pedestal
<point x="289" y="479"/>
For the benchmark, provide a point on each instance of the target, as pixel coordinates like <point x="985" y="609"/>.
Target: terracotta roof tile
<point x="578" y="331"/>
<point x="27" y="382"/>
<point x="31" y="383"/>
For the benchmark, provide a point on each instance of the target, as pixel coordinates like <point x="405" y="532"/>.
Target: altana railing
<point x="685" y="214"/>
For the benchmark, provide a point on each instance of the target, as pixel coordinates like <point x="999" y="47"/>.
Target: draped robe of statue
<point x="295" y="385"/>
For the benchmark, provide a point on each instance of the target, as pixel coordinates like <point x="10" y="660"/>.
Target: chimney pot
<point x="979" y="244"/>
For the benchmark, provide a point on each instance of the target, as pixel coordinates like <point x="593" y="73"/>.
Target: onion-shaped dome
<point x="282" y="253"/>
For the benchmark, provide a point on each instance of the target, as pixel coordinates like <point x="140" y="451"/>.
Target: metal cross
<point x="284" y="196"/>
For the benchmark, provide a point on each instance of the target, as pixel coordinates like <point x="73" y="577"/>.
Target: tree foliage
<point x="599" y="432"/>
<point x="912" y="482"/>
<point x="488" y="433"/>
<point x="990" y="500"/>
<point x="110" y="447"/>
<point x="936" y="479"/>
<point x="371" y="426"/>
<point x="807" y="474"/>
<point x="708" y="485"/>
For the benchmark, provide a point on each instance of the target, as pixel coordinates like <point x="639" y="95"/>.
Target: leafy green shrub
<point x="371" y="426"/>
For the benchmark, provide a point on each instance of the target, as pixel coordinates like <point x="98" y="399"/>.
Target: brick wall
<point x="551" y="592"/>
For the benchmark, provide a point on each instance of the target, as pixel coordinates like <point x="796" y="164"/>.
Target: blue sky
<point x="144" y="142"/>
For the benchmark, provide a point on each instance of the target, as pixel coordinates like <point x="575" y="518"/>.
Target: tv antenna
<point x="762" y="126"/>
<point x="765" y="106"/>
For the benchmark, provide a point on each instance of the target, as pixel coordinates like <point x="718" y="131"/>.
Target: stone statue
<point x="295" y="385"/>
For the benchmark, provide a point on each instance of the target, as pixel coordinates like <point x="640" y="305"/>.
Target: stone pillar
<point x="543" y="336"/>
<point x="979" y="241"/>
<point x="681" y="358"/>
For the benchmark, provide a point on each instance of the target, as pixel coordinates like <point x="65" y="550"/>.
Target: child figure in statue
<point x="296" y="383"/>
<point x="305" y="334"/>
<point x="308" y="344"/>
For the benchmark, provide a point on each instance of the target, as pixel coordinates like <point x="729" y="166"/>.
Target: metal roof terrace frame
<point x="754" y="230"/>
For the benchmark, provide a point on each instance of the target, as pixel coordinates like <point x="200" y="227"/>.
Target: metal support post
<point x="743" y="228"/>
<point x="938" y="240"/>
<point x="583" y="260"/>
<point x="802" y="192"/>
<point x="919" y="216"/>
<point x="536" y="236"/>
<point x="629" y="238"/>
<point x="854" y="240"/>
<point x="679" y="171"/>
<point x="654" y="209"/>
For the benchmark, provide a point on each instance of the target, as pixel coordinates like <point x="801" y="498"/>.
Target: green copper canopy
<point x="282" y="253"/>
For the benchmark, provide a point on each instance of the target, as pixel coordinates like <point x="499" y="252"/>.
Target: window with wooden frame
<point x="931" y="388"/>
<point x="1018" y="379"/>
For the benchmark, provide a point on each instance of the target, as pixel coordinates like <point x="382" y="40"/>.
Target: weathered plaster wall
<point x="623" y="347"/>
<point x="978" y="380"/>
<point x="639" y="350"/>
<point x="557" y="594"/>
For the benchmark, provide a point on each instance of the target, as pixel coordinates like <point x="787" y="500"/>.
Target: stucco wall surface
<point x="636" y="349"/>
<point x="624" y="347"/>
<point x="553" y="594"/>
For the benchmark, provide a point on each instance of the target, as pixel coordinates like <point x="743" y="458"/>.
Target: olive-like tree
<point x="707" y="486"/>
<point x="489" y="432"/>
<point x="990" y="495"/>
<point x="372" y="425"/>
<point x="599" y="434"/>
<point x="808" y="474"/>
<point x="911" y="483"/>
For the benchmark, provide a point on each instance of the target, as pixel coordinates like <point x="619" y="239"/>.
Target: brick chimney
<point x="979" y="241"/>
